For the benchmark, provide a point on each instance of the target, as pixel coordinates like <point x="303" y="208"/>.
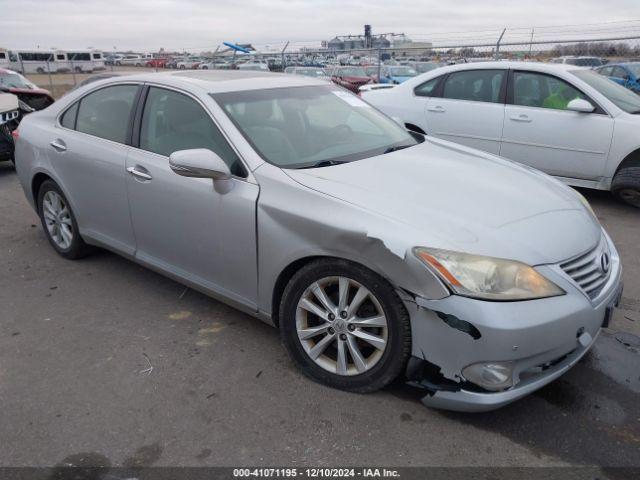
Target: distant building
<point x="360" y="42"/>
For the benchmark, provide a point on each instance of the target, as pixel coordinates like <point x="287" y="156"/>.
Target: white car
<point x="567" y="121"/>
<point x="189" y="63"/>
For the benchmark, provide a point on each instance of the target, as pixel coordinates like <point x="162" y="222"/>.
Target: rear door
<point x="470" y="109"/>
<point x="539" y="130"/>
<point x="88" y="150"/>
<point x="191" y="227"/>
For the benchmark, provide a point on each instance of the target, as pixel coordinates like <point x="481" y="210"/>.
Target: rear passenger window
<point x="105" y="113"/>
<point x="68" y="119"/>
<point x="172" y="121"/>
<point x="428" y="88"/>
<point x="474" y="85"/>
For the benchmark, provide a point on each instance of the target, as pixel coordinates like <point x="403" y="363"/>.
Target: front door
<point x="470" y="111"/>
<point x="540" y="132"/>
<point x="191" y="227"/>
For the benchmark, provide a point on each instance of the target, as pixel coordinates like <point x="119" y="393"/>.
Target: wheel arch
<point x="36" y="182"/>
<point x="631" y="160"/>
<point x="294" y="266"/>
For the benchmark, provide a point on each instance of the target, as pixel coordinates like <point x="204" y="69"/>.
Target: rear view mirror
<point x="199" y="163"/>
<point x="580" y="105"/>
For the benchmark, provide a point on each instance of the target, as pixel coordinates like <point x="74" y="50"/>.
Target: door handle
<point x="58" y="145"/>
<point x="436" y="109"/>
<point x="521" y="118"/>
<point x="139" y="174"/>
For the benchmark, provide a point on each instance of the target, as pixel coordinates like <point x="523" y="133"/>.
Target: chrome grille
<point x="590" y="270"/>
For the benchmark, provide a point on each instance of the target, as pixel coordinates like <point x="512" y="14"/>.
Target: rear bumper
<point x="541" y="339"/>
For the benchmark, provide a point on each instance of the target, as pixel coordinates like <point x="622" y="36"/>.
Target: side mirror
<point x="580" y="105"/>
<point x="199" y="163"/>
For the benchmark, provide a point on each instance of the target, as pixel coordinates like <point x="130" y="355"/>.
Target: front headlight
<point x="487" y="278"/>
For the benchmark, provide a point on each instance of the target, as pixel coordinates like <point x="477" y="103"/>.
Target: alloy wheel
<point x="341" y="326"/>
<point x="57" y="218"/>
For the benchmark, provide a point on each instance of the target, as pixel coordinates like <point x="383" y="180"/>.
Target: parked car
<point x="396" y="74"/>
<point x="157" y="62"/>
<point x="314" y="72"/>
<point x="189" y="63"/>
<point x="567" y="121"/>
<point x="256" y="66"/>
<point x="131" y="60"/>
<point x="376" y="251"/>
<point x="626" y="74"/>
<point x="9" y="113"/>
<point x="579" y="61"/>
<point x="32" y="96"/>
<point x="350" y="78"/>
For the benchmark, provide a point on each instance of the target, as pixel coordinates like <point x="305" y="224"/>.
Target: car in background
<point x="625" y="74"/>
<point x="583" y="61"/>
<point x="564" y="120"/>
<point x="372" y="71"/>
<point x="132" y="60"/>
<point x="424" y="67"/>
<point x="189" y="63"/>
<point x="9" y="113"/>
<point x="377" y="252"/>
<point x="160" y="62"/>
<point x="396" y="74"/>
<point x="255" y="66"/>
<point x="313" y="72"/>
<point x="29" y="94"/>
<point x="350" y="77"/>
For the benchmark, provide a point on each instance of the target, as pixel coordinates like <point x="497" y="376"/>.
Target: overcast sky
<point x="203" y="24"/>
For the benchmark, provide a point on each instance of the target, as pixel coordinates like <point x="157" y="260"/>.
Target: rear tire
<point x="366" y="344"/>
<point x="59" y="222"/>
<point x="626" y="186"/>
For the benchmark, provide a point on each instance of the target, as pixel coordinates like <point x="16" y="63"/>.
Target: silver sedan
<point x="376" y="252"/>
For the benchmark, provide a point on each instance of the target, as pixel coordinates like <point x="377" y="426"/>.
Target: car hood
<point x="441" y="195"/>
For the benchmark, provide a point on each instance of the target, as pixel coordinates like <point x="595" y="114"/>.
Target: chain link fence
<point x="578" y="51"/>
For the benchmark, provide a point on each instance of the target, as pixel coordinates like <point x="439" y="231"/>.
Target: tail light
<point x="15" y="134"/>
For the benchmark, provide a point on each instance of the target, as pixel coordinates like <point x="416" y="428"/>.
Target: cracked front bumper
<point x="540" y="338"/>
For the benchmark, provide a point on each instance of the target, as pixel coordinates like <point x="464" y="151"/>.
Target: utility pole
<point x="497" y="56"/>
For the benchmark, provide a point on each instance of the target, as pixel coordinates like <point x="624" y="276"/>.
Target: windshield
<point x="15" y="80"/>
<point x="624" y="99"/>
<point x="351" y="72"/>
<point x="402" y="72"/>
<point x="309" y="126"/>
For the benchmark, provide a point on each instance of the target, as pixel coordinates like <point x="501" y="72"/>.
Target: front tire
<point x="344" y="326"/>
<point x="59" y="222"/>
<point x="626" y="186"/>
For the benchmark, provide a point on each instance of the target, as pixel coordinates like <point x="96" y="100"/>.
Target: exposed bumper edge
<point x="468" y="401"/>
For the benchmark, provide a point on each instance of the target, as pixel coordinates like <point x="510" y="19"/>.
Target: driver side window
<point x="543" y="91"/>
<point x="172" y="121"/>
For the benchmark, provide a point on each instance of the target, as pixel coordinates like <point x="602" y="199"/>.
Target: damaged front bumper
<point x="539" y="340"/>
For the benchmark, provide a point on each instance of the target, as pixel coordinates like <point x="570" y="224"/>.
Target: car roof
<point x="506" y="64"/>
<point x="218" y="81"/>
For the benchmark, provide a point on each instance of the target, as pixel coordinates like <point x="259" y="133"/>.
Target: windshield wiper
<point x="324" y="163"/>
<point x="395" y="148"/>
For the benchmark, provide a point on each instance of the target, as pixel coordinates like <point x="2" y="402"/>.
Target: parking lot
<point x="104" y="362"/>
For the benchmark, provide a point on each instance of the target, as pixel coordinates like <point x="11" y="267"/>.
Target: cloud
<point x="203" y="24"/>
